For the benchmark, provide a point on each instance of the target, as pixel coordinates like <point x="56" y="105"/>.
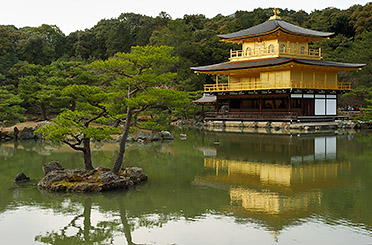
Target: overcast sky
<point x="72" y="15"/>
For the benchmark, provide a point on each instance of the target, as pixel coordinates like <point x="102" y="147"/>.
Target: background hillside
<point x="194" y="38"/>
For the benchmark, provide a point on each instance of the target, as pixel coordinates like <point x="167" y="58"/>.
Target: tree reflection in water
<point x="81" y="231"/>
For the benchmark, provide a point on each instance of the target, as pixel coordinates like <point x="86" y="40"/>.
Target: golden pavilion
<point x="275" y="77"/>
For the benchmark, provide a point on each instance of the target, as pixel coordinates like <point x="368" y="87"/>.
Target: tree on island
<point x="139" y="81"/>
<point x="131" y="83"/>
<point x="74" y="128"/>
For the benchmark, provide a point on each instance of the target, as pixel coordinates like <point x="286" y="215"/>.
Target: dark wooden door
<point x="308" y="107"/>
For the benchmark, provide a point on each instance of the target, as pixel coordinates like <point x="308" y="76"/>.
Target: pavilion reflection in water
<point x="276" y="178"/>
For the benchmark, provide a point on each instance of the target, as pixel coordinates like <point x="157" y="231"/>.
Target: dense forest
<point x="29" y="56"/>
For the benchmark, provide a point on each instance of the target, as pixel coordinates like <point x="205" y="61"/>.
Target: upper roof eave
<point x="271" y="26"/>
<point x="238" y="65"/>
<point x="241" y="65"/>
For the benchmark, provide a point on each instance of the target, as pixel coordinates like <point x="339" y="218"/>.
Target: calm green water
<point x="213" y="188"/>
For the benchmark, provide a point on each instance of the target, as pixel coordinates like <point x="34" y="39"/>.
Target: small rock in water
<point x="141" y="135"/>
<point x="21" y="177"/>
<point x="166" y="135"/>
<point x="183" y="136"/>
<point x="141" y="141"/>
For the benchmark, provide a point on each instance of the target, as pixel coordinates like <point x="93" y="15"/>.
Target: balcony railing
<point x="225" y="87"/>
<point x="276" y="50"/>
<point x="252" y="115"/>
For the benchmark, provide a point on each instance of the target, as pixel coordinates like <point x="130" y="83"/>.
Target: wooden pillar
<point x="302" y="105"/>
<point x="297" y="50"/>
<point x="260" y="105"/>
<point x="307" y="47"/>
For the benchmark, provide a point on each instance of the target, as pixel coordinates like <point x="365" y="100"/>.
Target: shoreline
<point x="25" y="130"/>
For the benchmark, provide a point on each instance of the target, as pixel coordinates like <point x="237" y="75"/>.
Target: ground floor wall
<point x="276" y="106"/>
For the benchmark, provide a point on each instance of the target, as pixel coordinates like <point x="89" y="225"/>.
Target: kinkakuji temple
<point x="275" y="77"/>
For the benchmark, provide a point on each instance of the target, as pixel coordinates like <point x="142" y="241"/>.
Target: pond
<point x="211" y="188"/>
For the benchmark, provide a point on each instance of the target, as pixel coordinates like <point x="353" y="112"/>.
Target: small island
<point x="58" y="179"/>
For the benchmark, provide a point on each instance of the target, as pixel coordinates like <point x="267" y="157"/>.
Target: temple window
<point x="302" y="50"/>
<point x="248" y="51"/>
<point x="282" y="48"/>
<point x="271" y="49"/>
<point x="259" y="47"/>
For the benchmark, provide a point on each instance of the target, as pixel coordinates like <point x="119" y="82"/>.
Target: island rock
<point x="99" y="179"/>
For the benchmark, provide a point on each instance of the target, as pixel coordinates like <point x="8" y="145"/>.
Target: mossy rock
<point x="100" y="179"/>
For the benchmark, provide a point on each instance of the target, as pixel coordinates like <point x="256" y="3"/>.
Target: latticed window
<point x="271" y="49"/>
<point x="302" y="50"/>
<point x="259" y="48"/>
<point x="282" y="48"/>
<point x="248" y="51"/>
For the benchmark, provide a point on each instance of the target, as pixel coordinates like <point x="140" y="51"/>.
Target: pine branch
<point x="73" y="146"/>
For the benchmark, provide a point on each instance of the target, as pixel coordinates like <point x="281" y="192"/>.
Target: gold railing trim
<point x="222" y="87"/>
<point x="275" y="51"/>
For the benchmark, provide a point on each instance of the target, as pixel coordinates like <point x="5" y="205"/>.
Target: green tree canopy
<point x="41" y="86"/>
<point x="10" y="109"/>
<point x="40" y="45"/>
<point x="74" y="127"/>
<point x="138" y="81"/>
<point x="130" y="83"/>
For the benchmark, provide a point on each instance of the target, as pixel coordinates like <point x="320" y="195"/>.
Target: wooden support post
<point x="302" y="106"/>
<point x="297" y="49"/>
<point x="217" y="82"/>
<point x="261" y="105"/>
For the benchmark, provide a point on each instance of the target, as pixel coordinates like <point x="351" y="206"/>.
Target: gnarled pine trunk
<point x="123" y="141"/>
<point x="87" y="154"/>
